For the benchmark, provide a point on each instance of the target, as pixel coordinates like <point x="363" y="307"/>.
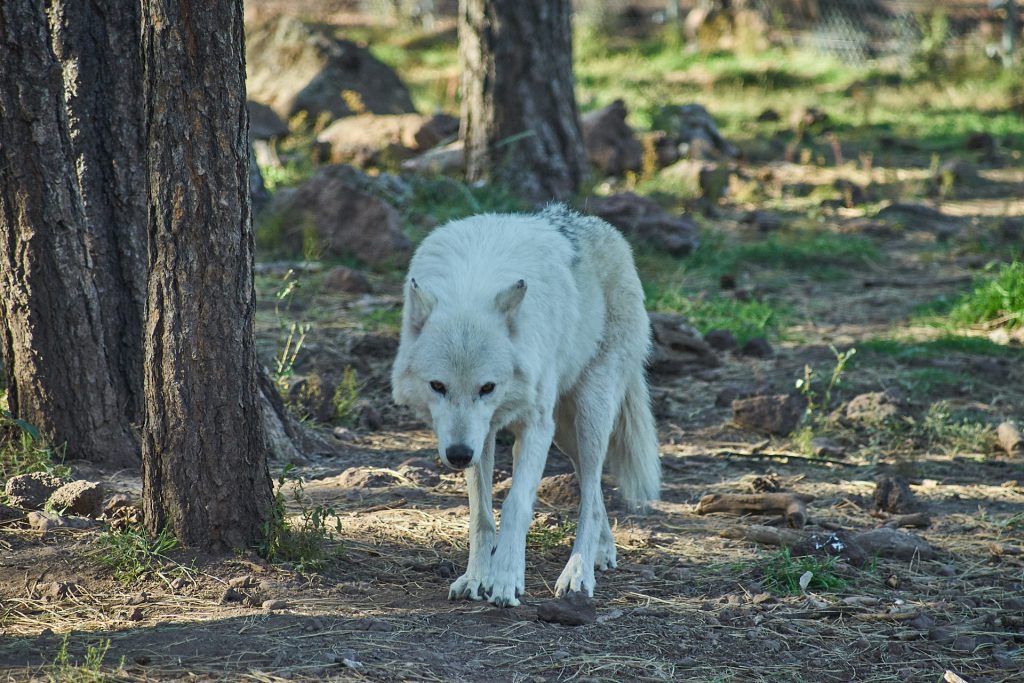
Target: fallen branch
<point x="917" y="520"/>
<point x="789" y="505"/>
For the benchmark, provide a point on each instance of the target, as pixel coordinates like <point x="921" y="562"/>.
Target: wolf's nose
<point x="459" y="455"/>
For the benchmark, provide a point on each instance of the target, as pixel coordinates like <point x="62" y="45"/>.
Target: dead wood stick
<point x="777" y="455"/>
<point x="765" y="535"/>
<point x="919" y="520"/>
<point x="887" y="282"/>
<point x="1010" y="439"/>
<point x="787" y="504"/>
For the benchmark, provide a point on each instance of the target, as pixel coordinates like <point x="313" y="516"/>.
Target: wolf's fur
<point x="549" y="309"/>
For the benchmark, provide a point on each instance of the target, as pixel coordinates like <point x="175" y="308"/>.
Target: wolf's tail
<point x="633" y="448"/>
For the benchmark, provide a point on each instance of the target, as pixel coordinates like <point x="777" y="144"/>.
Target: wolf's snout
<point x="459" y="455"/>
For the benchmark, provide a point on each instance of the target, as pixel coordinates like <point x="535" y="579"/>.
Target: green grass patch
<point x="995" y="300"/>
<point x="544" y="537"/>
<point x="815" y="254"/>
<point x="951" y="431"/>
<point x="23" y="449"/>
<point x="134" y="555"/>
<point x="306" y="540"/>
<point x="439" y="199"/>
<point x="782" y="573"/>
<point x="934" y="348"/>
<point x="89" y="670"/>
<point x="745" y="319"/>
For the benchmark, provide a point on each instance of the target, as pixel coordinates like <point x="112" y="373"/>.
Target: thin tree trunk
<point x="519" y="117"/>
<point x="71" y="223"/>
<point x="204" y="450"/>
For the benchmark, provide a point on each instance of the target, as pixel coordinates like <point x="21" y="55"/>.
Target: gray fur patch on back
<point x="568" y="223"/>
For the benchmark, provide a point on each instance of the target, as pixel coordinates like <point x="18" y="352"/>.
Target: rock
<point x="264" y="123"/>
<point x="8" y="513"/>
<point x="31" y="491"/>
<point x="678" y="346"/>
<point x="243" y="581"/>
<point x="345" y="279"/>
<point x="344" y="211"/>
<point x="369" y="418"/>
<point x="116" y="502"/>
<point x="769" y="116"/>
<point x="892" y="494"/>
<point x="135" y="614"/>
<point x="666" y="149"/>
<point x="764" y="221"/>
<point x="894" y="544"/>
<point x="1010" y="439"/>
<point x="294" y="66"/>
<point x="758" y="347"/>
<point x="611" y="144"/>
<point x="372" y="140"/>
<point x="694" y="127"/>
<point x="44" y="522"/>
<point x="82" y="498"/>
<point x="823" y="447"/>
<point x="777" y="414"/>
<point x="964" y="643"/>
<point x="275" y="604"/>
<point x="344" y="434"/>
<point x="643" y="220"/>
<point x="574" y="609"/>
<point x="874" y="407"/>
<point x="720" y="340"/>
<point x="982" y="142"/>
<point x="559" y="490"/>
<point x="231" y="595"/>
<point x="313" y="397"/>
<point x="919" y="217"/>
<point x="1011" y="230"/>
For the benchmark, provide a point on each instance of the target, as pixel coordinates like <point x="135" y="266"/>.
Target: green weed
<point x="745" y="319"/>
<point x="63" y="670"/>
<point x="544" y="537"/>
<point x="914" y="350"/>
<point x="305" y="541"/>
<point x="818" y="392"/>
<point x="996" y="300"/>
<point x="955" y="432"/>
<point x="134" y="555"/>
<point x="782" y="573"/>
<point x="23" y="449"/>
<point x="346" y="396"/>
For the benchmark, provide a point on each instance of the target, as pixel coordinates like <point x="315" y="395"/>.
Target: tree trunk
<point x="519" y="118"/>
<point x="72" y="216"/>
<point x="204" y="449"/>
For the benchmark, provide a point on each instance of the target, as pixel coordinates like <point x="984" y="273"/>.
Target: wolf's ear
<point x="507" y="301"/>
<point x="420" y="304"/>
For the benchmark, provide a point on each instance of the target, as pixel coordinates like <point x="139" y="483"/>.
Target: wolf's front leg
<point x="507" y="578"/>
<point x="479" y="479"/>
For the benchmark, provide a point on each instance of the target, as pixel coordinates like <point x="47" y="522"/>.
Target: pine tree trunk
<point x="519" y="117"/>
<point x="204" y="449"/>
<point x="72" y="216"/>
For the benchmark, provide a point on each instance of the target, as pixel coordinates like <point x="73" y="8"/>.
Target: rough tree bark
<point x="72" y="217"/>
<point x="519" y="117"/>
<point x="204" y="448"/>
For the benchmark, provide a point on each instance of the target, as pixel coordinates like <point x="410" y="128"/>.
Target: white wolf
<point x="535" y="323"/>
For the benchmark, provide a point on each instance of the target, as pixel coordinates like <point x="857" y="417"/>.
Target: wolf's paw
<point x="468" y="586"/>
<point x="578" y="576"/>
<point x="604" y="558"/>
<point x="503" y="589"/>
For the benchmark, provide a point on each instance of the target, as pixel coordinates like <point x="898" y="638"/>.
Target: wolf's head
<point x="456" y="363"/>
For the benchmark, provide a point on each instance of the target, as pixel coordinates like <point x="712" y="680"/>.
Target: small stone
<point x="138" y="598"/>
<point x="922" y="622"/>
<point x="964" y="643"/>
<point x="892" y="494"/>
<point x="758" y="347"/>
<point x="135" y="614"/>
<point x="344" y="434"/>
<point x="445" y="569"/>
<point x="369" y="419"/>
<point x="823" y="447"/>
<point x="31" y="491"/>
<point x="231" y="595"/>
<point x="947" y="570"/>
<point x="244" y="581"/>
<point x="179" y="583"/>
<point x="84" y="498"/>
<point x="378" y="626"/>
<point x="874" y="407"/>
<point x="116" y="502"/>
<point x="774" y="414"/>
<point x="275" y="604"/>
<point x="769" y="116"/>
<point x="45" y="522"/>
<point x="574" y="609"/>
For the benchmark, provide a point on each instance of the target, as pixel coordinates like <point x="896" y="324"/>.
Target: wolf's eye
<point x="438" y="387"/>
<point x="487" y="388"/>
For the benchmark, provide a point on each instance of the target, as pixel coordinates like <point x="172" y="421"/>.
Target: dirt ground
<point x="684" y="604"/>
